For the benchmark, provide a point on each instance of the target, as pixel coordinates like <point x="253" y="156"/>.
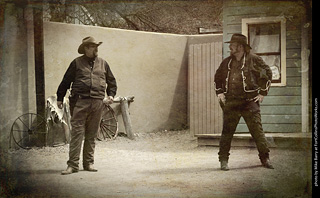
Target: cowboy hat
<point x="86" y="41"/>
<point x="239" y="38"/>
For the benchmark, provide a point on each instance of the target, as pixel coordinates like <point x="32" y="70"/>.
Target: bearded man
<point x="241" y="82"/>
<point x="90" y="77"/>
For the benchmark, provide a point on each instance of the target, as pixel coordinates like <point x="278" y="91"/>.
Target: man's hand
<point x="258" y="98"/>
<point x="108" y="100"/>
<point x="60" y="104"/>
<point x="222" y="98"/>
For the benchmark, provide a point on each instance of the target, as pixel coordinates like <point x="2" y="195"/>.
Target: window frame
<point x="262" y="20"/>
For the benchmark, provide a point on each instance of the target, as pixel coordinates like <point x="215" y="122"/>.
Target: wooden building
<point x="280" y="32"/>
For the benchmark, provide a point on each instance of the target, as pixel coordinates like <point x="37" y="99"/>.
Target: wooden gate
<point x="205" y="114"/>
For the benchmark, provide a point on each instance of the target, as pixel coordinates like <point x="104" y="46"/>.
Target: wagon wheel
<point x="29" y="130"/>
<point x="108" y="124"/>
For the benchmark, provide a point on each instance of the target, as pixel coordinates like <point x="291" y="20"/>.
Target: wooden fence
<point x="205" y="114"/>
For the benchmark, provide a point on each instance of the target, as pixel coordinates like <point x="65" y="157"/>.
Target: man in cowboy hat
<point x="241" y="82"/>
<point x="90" y="77"/>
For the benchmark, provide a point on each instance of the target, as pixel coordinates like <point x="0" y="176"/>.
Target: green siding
<point x="290" y="91"/>
<point x="279" y="119"/>
<point x="281" y="109"/>
<point x="280" y="128"/>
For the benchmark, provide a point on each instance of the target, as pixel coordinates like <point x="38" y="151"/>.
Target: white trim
<point x="305" y="52"/>
<point x="282" y="21"/>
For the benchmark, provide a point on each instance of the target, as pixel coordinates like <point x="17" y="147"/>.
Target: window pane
<point x="264" y="38"/>
<point x="274" y="63"/>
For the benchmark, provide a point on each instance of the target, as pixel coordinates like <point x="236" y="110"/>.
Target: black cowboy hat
<point x="239" y="38"/>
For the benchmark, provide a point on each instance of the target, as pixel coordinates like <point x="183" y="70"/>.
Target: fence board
<point x="191" y="88"/>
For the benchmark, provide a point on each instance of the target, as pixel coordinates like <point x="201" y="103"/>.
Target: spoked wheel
<point x="29" y="130"/>
<point x="108" y="124"/>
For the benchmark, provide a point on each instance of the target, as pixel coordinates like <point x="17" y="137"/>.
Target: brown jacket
<point x="256" y="76"/>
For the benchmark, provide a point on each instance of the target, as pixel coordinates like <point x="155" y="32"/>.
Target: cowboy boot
<point x="90" y="168"/>
<point x="69" y="170"/>
<point x="266" y="163"/>
<point x="224" y="165"/>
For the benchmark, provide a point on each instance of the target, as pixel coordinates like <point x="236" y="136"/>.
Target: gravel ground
<point x="162" y="164"/>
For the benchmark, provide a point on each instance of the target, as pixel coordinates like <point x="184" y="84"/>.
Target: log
<point x="119" y="98"/>
<point x="124" y="103"/>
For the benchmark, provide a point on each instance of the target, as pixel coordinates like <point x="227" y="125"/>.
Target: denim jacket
<point x="256" y="76"/>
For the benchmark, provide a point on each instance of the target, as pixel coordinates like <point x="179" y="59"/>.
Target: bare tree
<point x="181" y="17"/>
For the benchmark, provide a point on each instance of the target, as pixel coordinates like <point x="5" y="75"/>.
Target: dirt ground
<point x="162" y="164"/>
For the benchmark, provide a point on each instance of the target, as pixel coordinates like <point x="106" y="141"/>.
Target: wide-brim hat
<point x="239" y="38"/>
<point x="86" y="41"/>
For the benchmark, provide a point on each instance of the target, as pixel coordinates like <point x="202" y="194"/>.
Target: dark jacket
<point x="256" y="76"/>
<point x="89" y="78"/>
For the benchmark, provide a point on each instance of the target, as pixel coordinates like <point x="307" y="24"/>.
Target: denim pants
<point x="85" y="123"/>
<point x="232" y="112"/>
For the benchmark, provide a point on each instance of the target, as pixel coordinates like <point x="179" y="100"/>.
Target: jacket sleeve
<point x="265" y="77"/>
<point x="111" y="82"/>
<point x="68" y="78"/>
<point x="220" y="78"/>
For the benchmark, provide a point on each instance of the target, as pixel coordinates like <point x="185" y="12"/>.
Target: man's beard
<point x="234" y="52"/>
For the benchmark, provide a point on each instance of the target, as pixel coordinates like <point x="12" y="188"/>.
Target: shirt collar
<point x="235" y="59"/>
<point x="89" y="59"/>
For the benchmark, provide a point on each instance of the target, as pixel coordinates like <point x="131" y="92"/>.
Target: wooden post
<point x="39" y="60"/>
<point x="39" y="63"/>
<point x="126" y="118"/>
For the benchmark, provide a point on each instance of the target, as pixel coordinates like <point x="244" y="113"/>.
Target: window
<point x="267" y="36"/>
